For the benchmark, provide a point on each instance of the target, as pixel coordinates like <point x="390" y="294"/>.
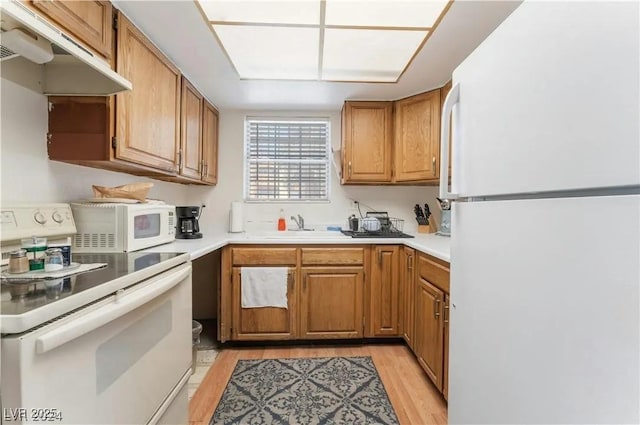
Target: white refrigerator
<point x="545" y="244"/>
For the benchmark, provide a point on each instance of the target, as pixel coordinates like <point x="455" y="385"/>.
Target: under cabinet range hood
<point x="72" y="69"/>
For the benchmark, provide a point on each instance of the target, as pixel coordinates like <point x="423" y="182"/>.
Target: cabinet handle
<point x="205" y="170"/>
<point x="349" y="166"/>
<point x="290" y="282"/>
<point x="436" y="308"/>
<point x="380" y="257"/>
<point x="411" y="262"/>
<point x="180" y="159"/>
<point x="446" y="313"/>
<point x="433" y="165"/>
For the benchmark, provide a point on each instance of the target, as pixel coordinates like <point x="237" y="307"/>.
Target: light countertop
<point x="437" y="246"/>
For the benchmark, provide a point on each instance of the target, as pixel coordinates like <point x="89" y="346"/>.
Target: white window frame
<point x="286" y="119"/>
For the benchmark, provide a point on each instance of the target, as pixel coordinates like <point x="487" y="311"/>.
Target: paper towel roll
<point x="235" y="217"/>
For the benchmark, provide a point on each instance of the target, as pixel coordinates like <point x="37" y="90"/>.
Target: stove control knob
<point x="39" y="218"/>
<point x="57" y="217"/>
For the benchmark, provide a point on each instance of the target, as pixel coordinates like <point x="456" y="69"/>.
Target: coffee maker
<point x="187" y="226"/>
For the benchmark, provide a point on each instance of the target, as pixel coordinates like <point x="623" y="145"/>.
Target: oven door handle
<point x="105" y="314"/>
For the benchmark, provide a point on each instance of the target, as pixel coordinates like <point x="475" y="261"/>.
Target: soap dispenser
<point x="282" y="222"/>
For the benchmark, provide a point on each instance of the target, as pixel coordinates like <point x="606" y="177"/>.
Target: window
<point x="287" y="159"/>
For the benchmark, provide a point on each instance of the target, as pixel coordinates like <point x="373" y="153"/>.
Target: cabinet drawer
<point x="332" y="256"/>
<point x="434" y="271"/>
<point x="263" y="256"/>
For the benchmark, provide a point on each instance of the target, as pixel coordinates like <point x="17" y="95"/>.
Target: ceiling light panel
<point x="263" y="12"/>
<point x="263" y="52"/>
<point x="384" y="13"/>
<point x="368" y="55"/>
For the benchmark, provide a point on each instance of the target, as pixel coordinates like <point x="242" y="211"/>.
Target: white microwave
<point x="104" y="227"/>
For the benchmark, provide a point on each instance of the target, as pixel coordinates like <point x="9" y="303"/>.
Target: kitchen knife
<point x="427" y="211"/>
<point x="420" y="217"/>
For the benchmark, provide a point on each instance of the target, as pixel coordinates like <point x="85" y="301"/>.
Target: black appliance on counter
<point x="387" y="227"/>
<point x="187" y="224"/>
<point x="381" y="234"/>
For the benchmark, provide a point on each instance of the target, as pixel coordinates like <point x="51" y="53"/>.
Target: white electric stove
<point x="106" y="346"/>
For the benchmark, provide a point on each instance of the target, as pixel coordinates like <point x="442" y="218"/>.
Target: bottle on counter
<point x="282" y="222"/>
<point x="18" y="261"/>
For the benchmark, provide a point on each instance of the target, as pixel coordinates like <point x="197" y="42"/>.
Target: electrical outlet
<point x="353" y="208"/>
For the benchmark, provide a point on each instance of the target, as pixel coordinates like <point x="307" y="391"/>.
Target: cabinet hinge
<point x="114" y="142"/>
<point x="115" y="22"/>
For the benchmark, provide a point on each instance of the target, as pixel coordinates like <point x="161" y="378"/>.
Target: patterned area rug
<point x="331" y="390"/>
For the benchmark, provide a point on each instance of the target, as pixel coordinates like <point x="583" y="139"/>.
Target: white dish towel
<point x="264" y="287"/>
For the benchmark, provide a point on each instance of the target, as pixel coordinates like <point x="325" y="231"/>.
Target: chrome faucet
<point x="299" y="221"/>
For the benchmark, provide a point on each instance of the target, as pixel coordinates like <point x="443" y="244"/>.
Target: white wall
<point x="27" y="175"/>
<point x="397" y="200"/>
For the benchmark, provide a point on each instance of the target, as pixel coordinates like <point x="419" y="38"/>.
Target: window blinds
<point x="287" y="160"/>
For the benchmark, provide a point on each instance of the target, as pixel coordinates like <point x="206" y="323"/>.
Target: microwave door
<point x="145" y="230"/>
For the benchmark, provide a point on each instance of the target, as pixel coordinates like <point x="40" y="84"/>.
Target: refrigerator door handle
<point x="453" y="97"/>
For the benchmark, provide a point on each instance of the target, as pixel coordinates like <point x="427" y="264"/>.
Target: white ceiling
<point x="178" y="28"/>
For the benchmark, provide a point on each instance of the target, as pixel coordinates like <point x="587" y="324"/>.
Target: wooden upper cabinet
<point x="367" y="132"/>
<point x="384" y="292"/>
<point x="147" y="117"/>
<point x="190" y="157"/>
<point x="443" y="95"/>
<point x="89" y="21"/>
<point x="417" y="137"/>
<point x="210" y="143"/>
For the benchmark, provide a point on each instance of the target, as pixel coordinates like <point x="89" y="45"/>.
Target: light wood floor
<point x="412" y="395"/>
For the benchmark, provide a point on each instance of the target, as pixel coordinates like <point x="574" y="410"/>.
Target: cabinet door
<point x="429" y="330"/>
<point x="191" y="132"/>
<point x="262" y="323"/>
<point x="407" y="293"/>
<point x="331" y="302"/>
<point x="367" y="133"/>
<point x="383" y="294"/>
<point x="147" y="117"/>
<point x="417" y="137"/>
<point x="210" y="143"/>
<point x="90" y="21"/>
<point x="443" y="95"/>
<point x="445" y="367"/>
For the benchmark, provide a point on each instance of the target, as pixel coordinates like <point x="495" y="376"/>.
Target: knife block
<point x="428" y="228"/>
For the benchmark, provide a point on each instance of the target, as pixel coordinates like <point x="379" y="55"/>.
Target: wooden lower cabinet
<point x="331" y="300"/>
<point x="264" y="323"/>
<point x="383" y="295"/>
<point x="429" y="346"/>
<point x="407" y="292"/>
<point x="445" y="369"/>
